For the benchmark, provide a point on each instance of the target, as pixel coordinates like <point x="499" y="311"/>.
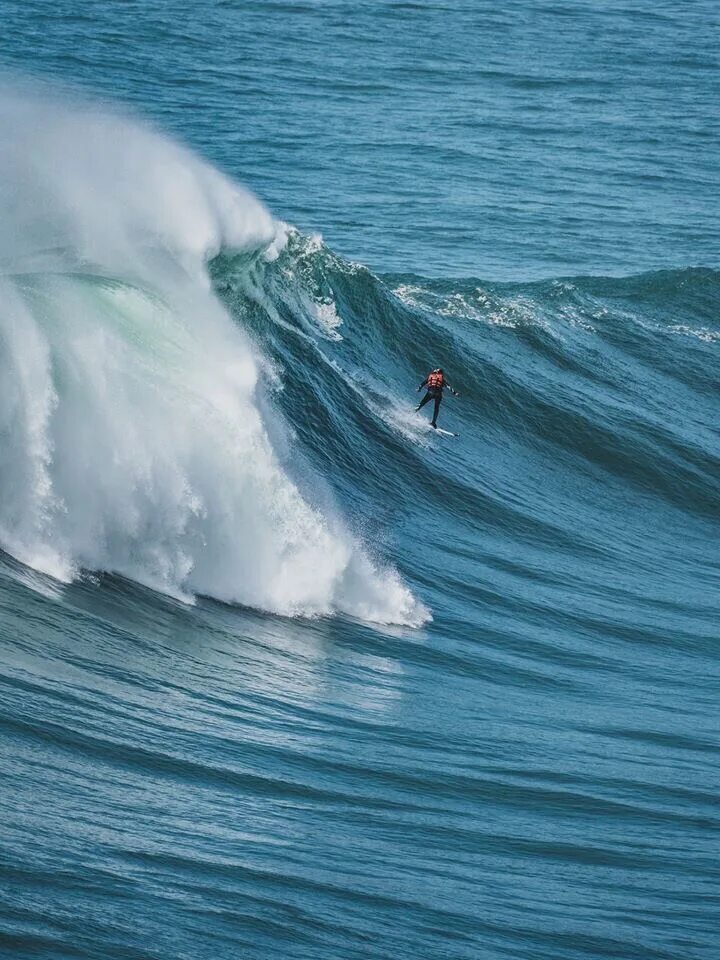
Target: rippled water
<point x="455" y="138"/>
<point x="285" y="673"/>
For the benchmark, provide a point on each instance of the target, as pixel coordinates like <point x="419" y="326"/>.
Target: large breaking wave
<point x="208" y="402"/>
<point x="137" y="431"/>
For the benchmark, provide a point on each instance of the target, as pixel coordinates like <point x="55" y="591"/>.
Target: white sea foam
<point x="131" y="439"/>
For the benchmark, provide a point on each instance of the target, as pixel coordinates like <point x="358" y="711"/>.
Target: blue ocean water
<point x="283" y="672"/>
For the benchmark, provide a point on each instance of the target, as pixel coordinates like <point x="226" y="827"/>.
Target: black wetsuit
<point x="436" y="394"/>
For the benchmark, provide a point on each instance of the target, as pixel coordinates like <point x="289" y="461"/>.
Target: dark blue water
<point x="283" y="672"/>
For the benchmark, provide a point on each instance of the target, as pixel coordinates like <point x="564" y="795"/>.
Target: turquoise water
<point x="283" y="672"/>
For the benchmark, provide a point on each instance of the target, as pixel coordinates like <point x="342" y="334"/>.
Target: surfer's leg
<point x="436" y="410"/>
<point x="423" y="401"/>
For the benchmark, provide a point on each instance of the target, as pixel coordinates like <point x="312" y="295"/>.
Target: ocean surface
<point x="285" y="673"/>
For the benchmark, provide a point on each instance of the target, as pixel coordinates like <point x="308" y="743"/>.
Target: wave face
<point x="579" y="425"/>
<point x="134" y="438"/>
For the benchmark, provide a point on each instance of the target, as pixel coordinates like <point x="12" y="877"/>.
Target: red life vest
<point x="435" y="380"/>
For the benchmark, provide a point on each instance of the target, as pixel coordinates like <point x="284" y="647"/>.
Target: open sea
<point x="284" y="673"/>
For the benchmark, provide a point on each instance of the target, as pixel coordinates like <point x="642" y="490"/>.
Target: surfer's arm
<point x="453" y="392"/>
<point x="424" y="383"/>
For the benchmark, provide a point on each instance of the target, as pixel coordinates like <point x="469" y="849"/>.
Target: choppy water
<point x="284" y="673"/>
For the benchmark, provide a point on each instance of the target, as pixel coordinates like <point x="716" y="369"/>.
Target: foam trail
<point x="130" y="436"/>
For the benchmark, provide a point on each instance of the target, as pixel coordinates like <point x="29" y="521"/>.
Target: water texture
<point x="283" y="672"/>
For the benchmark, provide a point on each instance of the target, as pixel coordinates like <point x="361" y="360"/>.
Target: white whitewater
<point x="131" y="438"/>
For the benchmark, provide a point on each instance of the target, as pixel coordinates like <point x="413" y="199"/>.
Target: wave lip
<point x="133" y="437"/>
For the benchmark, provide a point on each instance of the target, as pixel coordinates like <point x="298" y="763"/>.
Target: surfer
<point x="435" y="382"/>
